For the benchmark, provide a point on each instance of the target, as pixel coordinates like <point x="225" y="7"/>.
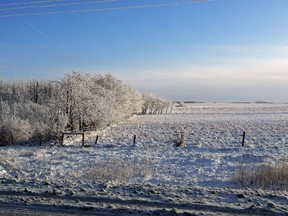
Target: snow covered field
<point x="205" y="165"/>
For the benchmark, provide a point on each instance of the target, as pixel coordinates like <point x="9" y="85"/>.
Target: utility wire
<point x="31" y="2"/>
<point x="56" y="5"/>
<point x="106" y="9"/>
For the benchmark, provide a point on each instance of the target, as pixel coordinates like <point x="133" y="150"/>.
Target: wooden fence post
<point x="62" y="140"/>
<point x="74" y="133"/>
<point x="243" y="139"/>
<point x="83" y="139"/>
<point x="134" y="139"/>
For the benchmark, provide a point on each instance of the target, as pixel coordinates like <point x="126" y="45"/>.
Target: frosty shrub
<point x="264" y="175"/>
<point x="179" y="135"/>
<point x="49" y="127"/>
<point x="6" y="137"/>
<point x="117" y="170"/>
<point x="46" y="124"/>
<point x="14" y="130"/>
<point x="26" y="122"/>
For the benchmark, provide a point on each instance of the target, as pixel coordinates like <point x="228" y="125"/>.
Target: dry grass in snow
<point x="264" y="175"/>
<point x="114" y="169"/>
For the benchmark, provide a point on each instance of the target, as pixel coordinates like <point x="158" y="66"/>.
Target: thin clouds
<point x="255" y="71"/>
<point x="263" y="78"/>
<point x="251" y="49"/>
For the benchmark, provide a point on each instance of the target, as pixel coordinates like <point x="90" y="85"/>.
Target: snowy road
<point x="144" y="200"/>
<point x="16" y="210"/>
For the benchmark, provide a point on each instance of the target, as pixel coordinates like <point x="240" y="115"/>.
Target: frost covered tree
<point x="154" y="105"/>
<point x="95" y="101"/>
<point x="39" y="110"/>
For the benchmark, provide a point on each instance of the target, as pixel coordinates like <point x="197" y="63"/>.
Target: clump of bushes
<point x="41" y="110"/>
<point x="29" y="122"/>
<point x="14" y="130"/>
<point x="179" y="135"/>
<point x="263" y="175"/>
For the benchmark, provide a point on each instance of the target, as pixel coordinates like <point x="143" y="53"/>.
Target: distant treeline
<point x="38" y="111"/>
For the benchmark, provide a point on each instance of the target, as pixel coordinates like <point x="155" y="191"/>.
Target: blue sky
<point x="221" y="50"/>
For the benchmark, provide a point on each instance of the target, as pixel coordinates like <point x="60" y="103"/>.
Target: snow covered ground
<point x="203" y="168"/>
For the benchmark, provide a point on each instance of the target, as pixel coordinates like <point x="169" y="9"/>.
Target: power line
<point x="106" y="9"/>
<point x="33" y="2"/>
<point x="57" y="5"/>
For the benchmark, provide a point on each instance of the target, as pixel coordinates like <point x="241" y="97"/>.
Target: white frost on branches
<point x="40" y="110"/>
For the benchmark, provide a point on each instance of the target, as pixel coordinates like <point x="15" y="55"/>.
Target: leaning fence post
<point x="134" y="139"/>
<point x="62" y="139"/>
<point x="96" y="140"/>
<point x="243" y="139"/>
<point x="83" y="139"/>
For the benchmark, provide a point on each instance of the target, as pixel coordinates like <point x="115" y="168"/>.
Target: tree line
<point x="39" y="110"/>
